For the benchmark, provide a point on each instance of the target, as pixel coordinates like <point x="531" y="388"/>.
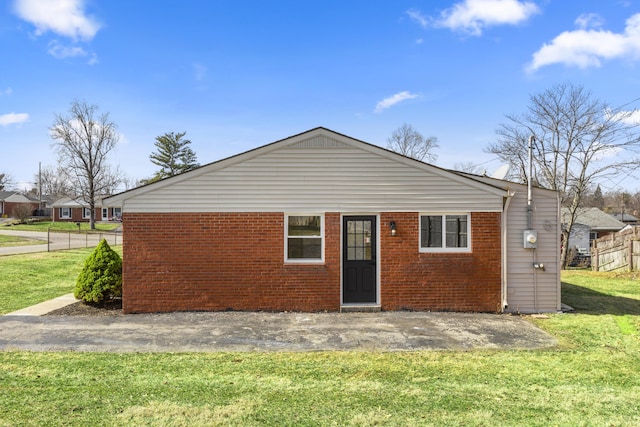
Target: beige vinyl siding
<point x="318" y="175"/>
<point x="528" y="289"/>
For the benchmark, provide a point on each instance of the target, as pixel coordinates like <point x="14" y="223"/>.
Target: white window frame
<point x="286" y="240"/>
<point x="444" y="233"/>
<point x="63" y="215"/>
<point x="86" y="213"/>
<point x="105" y="214"/>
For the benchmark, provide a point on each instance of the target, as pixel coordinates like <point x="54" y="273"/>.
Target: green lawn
<point x="60" y="226"/>
<point x="590" y="379"/>
<point x="18" y="241"/>
<point x="28" y="279"/>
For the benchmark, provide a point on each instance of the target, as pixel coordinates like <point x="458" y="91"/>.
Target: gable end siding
<point x="304" y="177"/>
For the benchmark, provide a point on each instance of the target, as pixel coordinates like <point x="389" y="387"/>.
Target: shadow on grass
<point x="588" y="301"/>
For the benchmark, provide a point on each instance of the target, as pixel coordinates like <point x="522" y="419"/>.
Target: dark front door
<point x="359" y="259"/>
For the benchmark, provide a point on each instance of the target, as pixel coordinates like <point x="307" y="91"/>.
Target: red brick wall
<point x="220" y="261"/>
<point x="440" y="281"/>
<point x="76" y="215"/>
<point x="10" y="206"/>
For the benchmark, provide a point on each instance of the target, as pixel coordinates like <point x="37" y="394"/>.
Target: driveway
<point x="57" y="241"/>
<point x="257" y="331"/>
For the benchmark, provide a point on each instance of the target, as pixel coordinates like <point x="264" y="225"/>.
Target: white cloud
<point x="472" y="16"/>
<point x="393" y="100"/>
<point x="13" y="118"/>
<point x="630" y="118"/>
<point x="64" y="17"/>
<point x="586" y="47"/>
<point x="60" y="51"/>
<point x="589" y="20"/>
<point x="418" y="17"/>
<point x="8" y="91"/>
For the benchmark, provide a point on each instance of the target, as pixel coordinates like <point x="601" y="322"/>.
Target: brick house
<point x="11" y="200"/>
<point x="69" y="210"/>
<point x="321" y="221"/>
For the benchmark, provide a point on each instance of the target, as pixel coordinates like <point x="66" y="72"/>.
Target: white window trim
<point x="105" y="214"/>
<point x="444" y="225"/>
<point x="286" y="240"/>
<point x="62" y="215"/>
<point x="84" y="212"/>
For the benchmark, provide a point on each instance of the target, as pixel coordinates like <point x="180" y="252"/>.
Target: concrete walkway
<point x="258" y="331"/>
<point x="46" y="307"/>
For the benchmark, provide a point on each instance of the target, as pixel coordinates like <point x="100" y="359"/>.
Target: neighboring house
<point x="321" y="221"/>
<point x="626" y="218"/>
<point x="69" y="210"/>
<point x="10" y="200"/>
<point x="590" y="224"/>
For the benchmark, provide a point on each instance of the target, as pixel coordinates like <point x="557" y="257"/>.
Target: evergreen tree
<point x="598" y="200"/>
<point x="101" y="278"/>
<point x="173" y="155"/>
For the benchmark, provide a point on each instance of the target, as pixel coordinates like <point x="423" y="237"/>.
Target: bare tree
<point x="469" y="167"/>
<point x="577" y="141"/>
<point x="5" y="179"/>
<point x="409" y="142"/>
<point x="52" y="182"/>
<point x="83" y="141"/>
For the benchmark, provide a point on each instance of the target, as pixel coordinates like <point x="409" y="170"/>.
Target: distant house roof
<point x="595" y="218"/>
<point x="6" y="194"/>
<point x="625" y="217"/>
<point x="67" y="202"/>
<point x="16" y="197"/>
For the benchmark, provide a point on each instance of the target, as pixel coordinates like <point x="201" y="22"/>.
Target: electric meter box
<point x="530" y="239"/>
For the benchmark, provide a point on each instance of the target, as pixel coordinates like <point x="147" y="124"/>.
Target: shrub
<point x="101" y="277"/>
<point x="22" y="213"/>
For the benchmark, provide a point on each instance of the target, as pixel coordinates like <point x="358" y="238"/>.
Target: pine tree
<point x="173" y="155"/>
<point x="598" y="200"/>
<point x="101" y="278"/>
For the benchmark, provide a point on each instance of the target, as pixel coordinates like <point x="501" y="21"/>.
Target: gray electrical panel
<point x="530" y="239"/>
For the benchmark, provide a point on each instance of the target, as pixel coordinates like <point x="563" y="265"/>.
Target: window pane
<point x="431" y="231"/>
<point x="456" y="231"/>
<point x="304" y="226"/>
<point x="307" y="248"/>
<point x="359" y="240"/>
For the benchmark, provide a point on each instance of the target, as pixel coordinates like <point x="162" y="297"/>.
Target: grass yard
<point x="61" y="226"/>
<point x="590" y="379"/>
<point x="18" y="241"/>
<point x="28" y="279"/>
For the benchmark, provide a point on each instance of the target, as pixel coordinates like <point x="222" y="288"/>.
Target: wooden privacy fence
<point x="617" y="251"/>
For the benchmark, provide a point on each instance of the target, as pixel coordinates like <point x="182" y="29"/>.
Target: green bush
<point x="101" y="277"/>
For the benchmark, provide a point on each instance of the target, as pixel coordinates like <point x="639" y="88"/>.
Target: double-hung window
<point x="86" y="213"/>
<point x="445" y="233"/>
<point x="65" y="213"/>
<point x="304" y="238"/>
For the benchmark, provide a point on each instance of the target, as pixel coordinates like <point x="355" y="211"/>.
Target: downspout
<point x="529" y="191"/>
<point x="530" y="220"/>
<point x="505" y="251"/>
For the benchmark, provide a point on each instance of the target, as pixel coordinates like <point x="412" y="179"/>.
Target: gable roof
<point x="285" y="161"/>
<point x="16" y="197"/>
<point x="625" y="217"/>
<point x="595" y="218"/>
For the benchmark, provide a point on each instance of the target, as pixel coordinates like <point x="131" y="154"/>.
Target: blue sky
<point x="236" y="75"/>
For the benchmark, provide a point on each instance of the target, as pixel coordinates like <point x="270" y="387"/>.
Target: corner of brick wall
<point x="441" y="281"/>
